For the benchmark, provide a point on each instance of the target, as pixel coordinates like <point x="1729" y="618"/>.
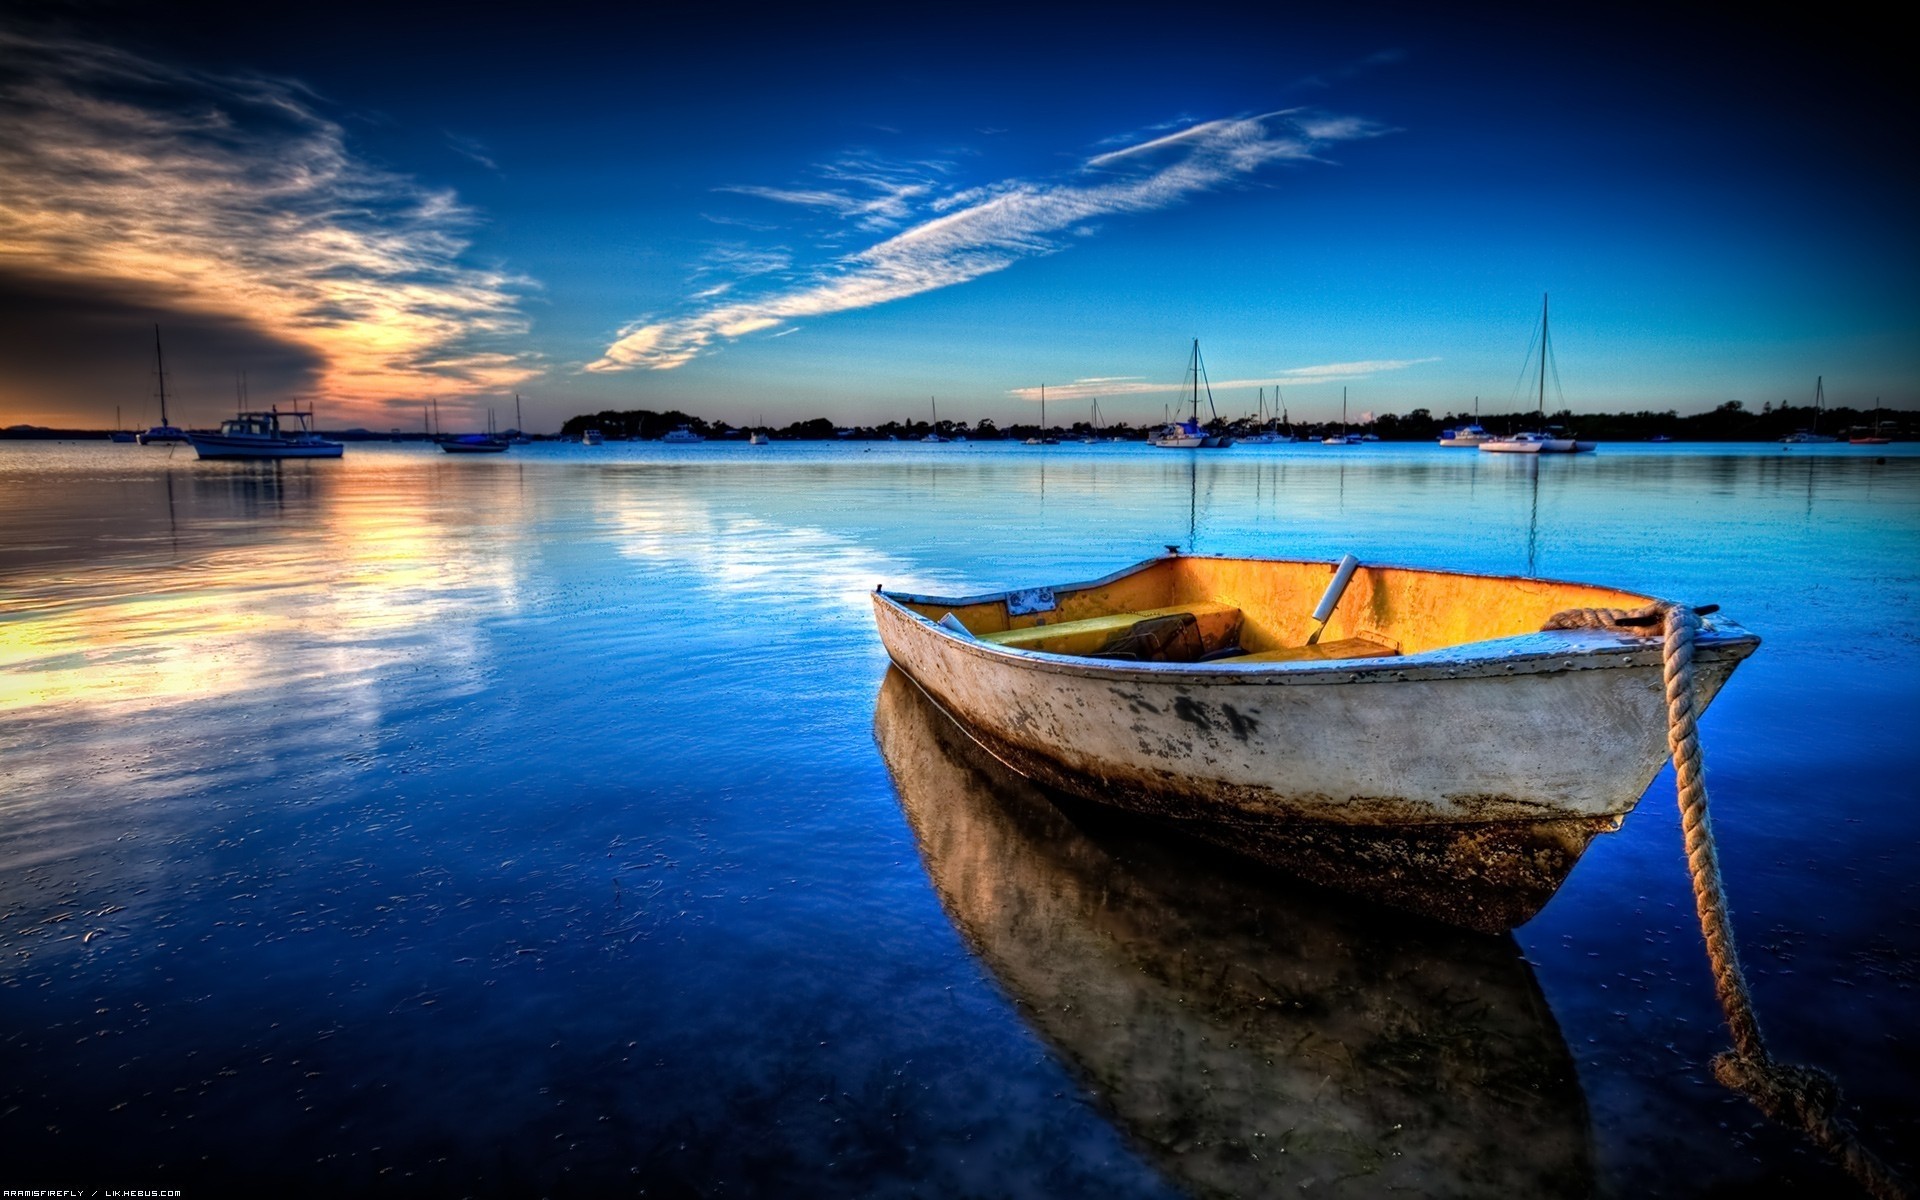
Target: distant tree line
<point x="1731" y="422"/>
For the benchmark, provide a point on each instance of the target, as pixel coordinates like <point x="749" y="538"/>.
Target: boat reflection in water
<point x="1248" y="1033"/>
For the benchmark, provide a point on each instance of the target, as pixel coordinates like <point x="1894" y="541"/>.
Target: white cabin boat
<point x="682" y="435"/>
<point x="1464" y="435"/>
<point x="269" y="434"/>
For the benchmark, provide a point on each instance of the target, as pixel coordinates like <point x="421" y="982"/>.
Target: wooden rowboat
<point x="1436" y="750"/>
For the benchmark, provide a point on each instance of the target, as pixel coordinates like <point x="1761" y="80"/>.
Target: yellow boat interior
<point x="1189" y="609"/>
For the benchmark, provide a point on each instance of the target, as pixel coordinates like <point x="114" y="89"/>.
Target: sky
<point x="862" y="213"/>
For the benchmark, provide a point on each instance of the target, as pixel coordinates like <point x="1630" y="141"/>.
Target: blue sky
<point x="847" y="214"/>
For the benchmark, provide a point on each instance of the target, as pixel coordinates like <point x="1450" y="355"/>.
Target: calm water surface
<point x="550" y="822"/>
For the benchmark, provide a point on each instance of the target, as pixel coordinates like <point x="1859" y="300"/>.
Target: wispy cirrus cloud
<point x="1094" y="387"/>
<point x="964" y="235"/>
<point x="233" y="196"/>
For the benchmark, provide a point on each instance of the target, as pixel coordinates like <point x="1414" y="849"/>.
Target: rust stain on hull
<point x="1488" y="876"/>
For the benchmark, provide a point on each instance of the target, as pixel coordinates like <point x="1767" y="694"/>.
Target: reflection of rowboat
<point x="1440" y="751"/>
<point x="1248" y="1036"/>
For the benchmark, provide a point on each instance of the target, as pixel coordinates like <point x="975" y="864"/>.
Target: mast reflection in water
<point x="1247" y="1033"/>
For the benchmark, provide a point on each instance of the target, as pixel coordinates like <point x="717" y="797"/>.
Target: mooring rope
<point x="1805" y="1097"/>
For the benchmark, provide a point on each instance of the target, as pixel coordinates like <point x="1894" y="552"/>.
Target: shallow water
<point x="492" y="825"/>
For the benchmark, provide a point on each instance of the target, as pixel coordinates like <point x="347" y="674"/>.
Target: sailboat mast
<point x="1543" y="358"/>
<point x="1196" y="381"/>
<point x="160" y="369"/>
<point x="518" y="426"/>
<point x="1043" y="410"/>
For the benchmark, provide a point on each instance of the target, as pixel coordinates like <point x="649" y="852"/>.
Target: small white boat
<point x="1464" y="435"/>
<point x="1519" y="443"/>
<point x="1181" y="435"/>
<point x="682" y="435"/>
<point x="592" y="437"/>
<point x="757" y="438"/>
<point x="263" y="435"/>
<point x="1441" y="749"/>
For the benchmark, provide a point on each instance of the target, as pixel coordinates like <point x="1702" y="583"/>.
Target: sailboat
<point x="1535" y="442"/>
<point x="119" y="434"/>
<point x="933" y="433"/>
<point x="1343" y="438"/>
<point x="1269" y="434"/>
<point x="1190" y="434"/>
<point x="1043" y="438"/>
<point x="519" y="437"/>
<point x="1093" y="425"/>
<point x="165" y="432"/>
<point x="1819" y="403"/>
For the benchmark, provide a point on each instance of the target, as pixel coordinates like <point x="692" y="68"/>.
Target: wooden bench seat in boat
<point x="1218" y="625"/>
<point x="1362" y="645"/>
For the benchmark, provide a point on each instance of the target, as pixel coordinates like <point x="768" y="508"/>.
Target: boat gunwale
<point x="1585" y="649"/>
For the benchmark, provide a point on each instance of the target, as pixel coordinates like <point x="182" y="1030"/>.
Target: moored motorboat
<point x="1465" y="435"/>
<point x="1438" y="749"/>
<point x="475" y="443"/>
<point x="265" y="435"/>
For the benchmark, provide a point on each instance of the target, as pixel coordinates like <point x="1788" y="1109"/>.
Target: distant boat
<point x="1043" y="438"/>
<point x="119" y="434"/>
<point x="1466" y="435"/>
<point x="166" y="432"/>
<point x="1189" y="434"/>
<point x="518" y="438"/>
<point x="1343" y="436"/>
<point x="266" y="435"/>
<point x="933" y="430"/>
<point x="1659" y="437"/>
<point x="1266" y="434"/>
<point x="475" y="443"/>
<point x="757" y="438"/>
<point x="1813" y="434"/>
<point x="683" y="435"/>
<point x="1533" y="442"/>
<point x="1519" y="443"/>
<point x="592" y="437"/>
